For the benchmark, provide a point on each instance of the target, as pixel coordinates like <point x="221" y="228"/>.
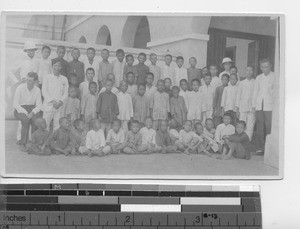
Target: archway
<point x="82" y="39"/>
<point x="103" y="36"/>
<point x="136" y="32"/>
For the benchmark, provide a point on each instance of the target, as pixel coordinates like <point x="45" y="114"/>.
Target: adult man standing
<point x="262" y="103"/>
<point x="55" y="91"/>
<point x="27" y="104"/>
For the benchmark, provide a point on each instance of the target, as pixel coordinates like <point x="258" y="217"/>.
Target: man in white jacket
<point x="55" y="91"/>
<point x="262" y="103"/>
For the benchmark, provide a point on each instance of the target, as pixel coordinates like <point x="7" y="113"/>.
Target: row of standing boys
<point x="197" y="107"/>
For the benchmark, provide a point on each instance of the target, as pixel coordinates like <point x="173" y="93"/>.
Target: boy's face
<point x="61" y="53"/>
<point x="109" y="86"/>
<point x="149" y="79"/>
<point x="204" y="71"/>
<point x="160" y="86"/>
<point x="141" y="59"/>
<point x="184" y="86"/>
<point x="233" y="71"/>
<point x="129" y="60"/>
<point x="240" y="128"/>
<point x="111" y="77"/>
<point x="90" y="54"/>
<point x="116" y="126"/>
<point x="75" y="54"/>
<point x="179" y="63"/>
<point x="265" y="68"/>
<point x="192" y="62"/>
<point x="65" y="124"/>
<point x="207" y="79"/>
<point x="164" y="126"/>
<point x="224" y="81"/>
<point x="175" y="93"/>
<point x="153" y="59"/>
<point x="56" y="68"/>
<point x="167" y="83"/>
<point x="187" y="126"/>
<point x="30" y="52"/>
<point x="195" y="86"/>
<point x="249" y="72"/>
<point x="104" y="54"/>
<point x="226" y="120"/>
<point x="46" y="53"/>
<point x="93" y="89"/>
<point x="123" y="87"/>
<point x="148" y="123"/>
<point x="141" y="90"/>
<point x="209" y="125"/>
<point x="120" y="56"/>
<point x="73" y="81"/>
<point x="227" y="66"/>
<point x="199" y="129"/>
<point x="73" y="93"/>
<point x="213" y="70"/>
<point x="90" y="75"/>
<point x="130" y="79"/>
<point x="233" y="79"/>
<point x="135" y="127"/>
<point x="168" y="60"/>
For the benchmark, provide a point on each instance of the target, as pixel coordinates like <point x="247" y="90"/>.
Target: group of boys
<point x="114" y="97"/>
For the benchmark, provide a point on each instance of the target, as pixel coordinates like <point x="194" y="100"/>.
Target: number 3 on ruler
<point x="198" y="219"/>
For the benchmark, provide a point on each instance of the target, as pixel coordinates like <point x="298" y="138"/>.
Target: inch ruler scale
<point x="117" y="206"/>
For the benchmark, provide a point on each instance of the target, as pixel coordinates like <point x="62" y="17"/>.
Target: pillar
<point x="274" y="141"/>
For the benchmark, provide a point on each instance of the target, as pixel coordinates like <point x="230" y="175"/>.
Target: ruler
<point x="109" y="206"/>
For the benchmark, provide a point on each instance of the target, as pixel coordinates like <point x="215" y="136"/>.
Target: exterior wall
<point x="258" y="25"/>
<point x="241" y="53"/>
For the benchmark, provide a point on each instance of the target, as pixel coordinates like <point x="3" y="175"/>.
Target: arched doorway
<point x="136" y="32"/>
<point x="103" y="36"/>
<point x="82" y="39"/>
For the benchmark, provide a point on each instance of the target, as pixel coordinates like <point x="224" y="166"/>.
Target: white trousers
<point x="249" y="119"/>
<point x="52" y="115"/>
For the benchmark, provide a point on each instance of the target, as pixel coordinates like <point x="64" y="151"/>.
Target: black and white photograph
<point x="143" y="95"/>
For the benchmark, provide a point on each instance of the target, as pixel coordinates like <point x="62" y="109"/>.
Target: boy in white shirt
<point x="84" y="86"/>
<point x="125" y="106"/>
<point x="148" y="136"/>
<point x="167" y="69"/>
<point x="262" y="102"/>
<point x="244" y="101"/>
<point x="208" y="93"/>
<point x="222" y="130"/>
<point x="229" y="98"/>
<point x="44" y="66"/>
<point x="154" y="68"/>
<point x="180" y="72"/>
<point x="95" y="141"/>
<point x="116" y="137"/>
<point x="186" y="137"/>
<point x="215" y="80"/>
<point x="91" y="62"/>
<point x="118" y="66"/>
<point x="150" y="88"/>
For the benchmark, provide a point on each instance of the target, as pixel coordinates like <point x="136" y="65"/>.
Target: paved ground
<point x="18" y="162"/>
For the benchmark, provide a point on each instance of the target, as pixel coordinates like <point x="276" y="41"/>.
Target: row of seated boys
<point x="76" y="138"/>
